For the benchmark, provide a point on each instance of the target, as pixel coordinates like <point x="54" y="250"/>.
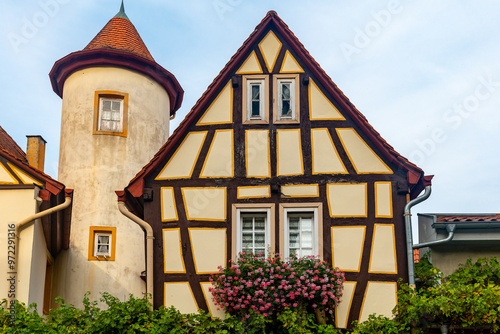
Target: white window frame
<point x="280" y="115"/>
<point x="101" y="104"/>
<point x="294" y="80"/>
<point x="262" y="97"/>
<point x="96" y="244"/>
<point x="317" y="210"/>
<point x="239" y="230"/>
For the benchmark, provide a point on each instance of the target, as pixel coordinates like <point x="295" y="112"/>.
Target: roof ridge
<point x="11" y="142"/>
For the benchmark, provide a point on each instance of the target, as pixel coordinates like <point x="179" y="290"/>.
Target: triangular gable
<point x="302" y="59"/>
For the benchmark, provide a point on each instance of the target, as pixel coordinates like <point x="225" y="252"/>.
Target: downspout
<point x="409" y="235"/>
<point x="17" y="229"/>
<point x="149" y="243"/>
<point x="451" y="232"/>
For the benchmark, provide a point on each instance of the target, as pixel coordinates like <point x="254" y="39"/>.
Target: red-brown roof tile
<point x="467" y="218"/>
<point x="8" y="144"/>
<point x="416" y="255"/>
<point x="120" y="34"/>
<point x="416" y="178"/>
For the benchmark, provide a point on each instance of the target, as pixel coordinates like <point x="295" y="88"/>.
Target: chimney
<point x="35" y="152"/>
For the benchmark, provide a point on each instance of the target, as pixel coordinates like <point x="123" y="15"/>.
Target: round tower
<point x="116" y="106"/>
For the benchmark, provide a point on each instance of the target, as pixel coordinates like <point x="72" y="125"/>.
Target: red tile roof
<point x="8" y="144"/>
<point x="120" y="34"/>
<point x="415" y="175"/>
<point x="468" y="218"/>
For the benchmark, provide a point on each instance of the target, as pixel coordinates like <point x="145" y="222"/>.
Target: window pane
<point x="255" y="108"/>
<point x="106" y="115"/>
<point x="246" y="225"/>
<point x="285" y="91"/>
<point x="106" y="105"/>
<point x="255" y="92"/>
<point x="306" y="224"/>
<point x="285" y="108"/>
<point x="292" y="252"/>
<point x="306" y="239"/>
<point x="294" y="240"/>
<point x="115" y="116"/>
<point x="105" y="125"/>
<point x="294" y="224"/>
<point x="307" y="252"/>
<point x="260" y="225"/>
<point x="116" y="105"/>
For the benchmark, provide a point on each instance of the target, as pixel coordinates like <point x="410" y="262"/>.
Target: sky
<point x="426" y="74"/>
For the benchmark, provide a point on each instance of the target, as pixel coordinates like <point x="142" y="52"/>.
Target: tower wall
<point x="95" y="165"/>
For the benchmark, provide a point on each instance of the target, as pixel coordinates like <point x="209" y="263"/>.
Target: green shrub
<point x="376" y="325"/>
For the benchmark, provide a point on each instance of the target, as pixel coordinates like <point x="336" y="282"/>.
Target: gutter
<point x="12" y="268"/>
<point x="451" y="232"/>
<point x="149" y="241"/>
<point x="409" y="235"/>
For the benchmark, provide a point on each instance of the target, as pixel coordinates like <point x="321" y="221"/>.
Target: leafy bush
<point x="426" y="275"/>
<point x="376" y="325"/>
<point x="269" y="286"/>
<point x="484" y="271"/>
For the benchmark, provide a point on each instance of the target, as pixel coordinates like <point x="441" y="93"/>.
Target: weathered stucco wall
<point x="97" y="165"/>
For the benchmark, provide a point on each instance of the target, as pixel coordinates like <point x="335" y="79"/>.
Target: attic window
<point x="286" y="98"/>
<point x="255" y="99"/>
<point x="110" y="113"/>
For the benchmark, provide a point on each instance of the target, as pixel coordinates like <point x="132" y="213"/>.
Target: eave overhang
<point x="79" y="60"/>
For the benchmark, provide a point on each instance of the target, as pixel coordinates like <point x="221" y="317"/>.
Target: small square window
<point x="110" y="115"/>
<point x="255" y="99"/>
<point x="102" y="243"/>
<point x="286" y="99"/>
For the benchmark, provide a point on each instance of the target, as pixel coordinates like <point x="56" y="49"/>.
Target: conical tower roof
<point x="120" y="34"/>
<point x="118" y="44"/>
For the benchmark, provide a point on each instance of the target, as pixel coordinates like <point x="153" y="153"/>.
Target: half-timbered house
<point x="275" y="158"/>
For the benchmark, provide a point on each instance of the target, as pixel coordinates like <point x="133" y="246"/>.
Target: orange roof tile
<point x="467" y="218"/>
<point x="120" y="34"/>
<point x="8" y="144"/>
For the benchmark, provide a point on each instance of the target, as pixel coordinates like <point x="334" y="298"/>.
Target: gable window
<point x="286" y="98"/>
<point x="300" y="231"/>
<point x="110" y="115"/>
<point x="255" y="99"/>
<point x="253" y="229"/>
<point x="102" y="243"/>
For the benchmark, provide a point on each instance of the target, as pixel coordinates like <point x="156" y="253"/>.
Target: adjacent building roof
<point x="416" y="179"/>
<point x="118" y="44"/>
<point x="8" y="144"/>
<point x="457" y="217"/>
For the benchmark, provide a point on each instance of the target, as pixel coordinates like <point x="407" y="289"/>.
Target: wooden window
<point x="255" y="99"/>
<point x="300" y="229"/>
<point x="102" y="243"/>
<point x="253" y="229"/>
<point x="110" y="113"/>
<point x="286" y="98"/>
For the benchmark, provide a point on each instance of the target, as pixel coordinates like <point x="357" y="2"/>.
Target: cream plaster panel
<point x="212" y="308"/>
<point x="289" y="152"/>
<point x="221" y="110"/>
<point x="219" y="162"/>
<point x="250" y="66"/>
<point x="16" y="205"/>
<point x="97" y="165"/>
<point x="362" y="157"/>
<point x="383" y="254"/>
<point x="209" y="249"/>
<point x="290" y="65"/>
<point x="347" y="199"/>
<point x="383" y="199"/>
<point x="23" y="176"/>
<point x="180" y="296"/>
<point x="6" y="177"/>
<point x="347" y="247"/>
<point x="380" y="299"/>
<point x="205" y="203"/>
<point x="172" y="254"/>
<point x="168" y="208"/>
<point x="181" y="164"/>
<point x="254" y="192"/>
<point x="344" y="307"/>
<point x="300" y="190"/>
<point x="270" y="47"/>
<point x="320" y="107"/>
<point x="257" y="153"/>
<point x="325" y="157"/>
